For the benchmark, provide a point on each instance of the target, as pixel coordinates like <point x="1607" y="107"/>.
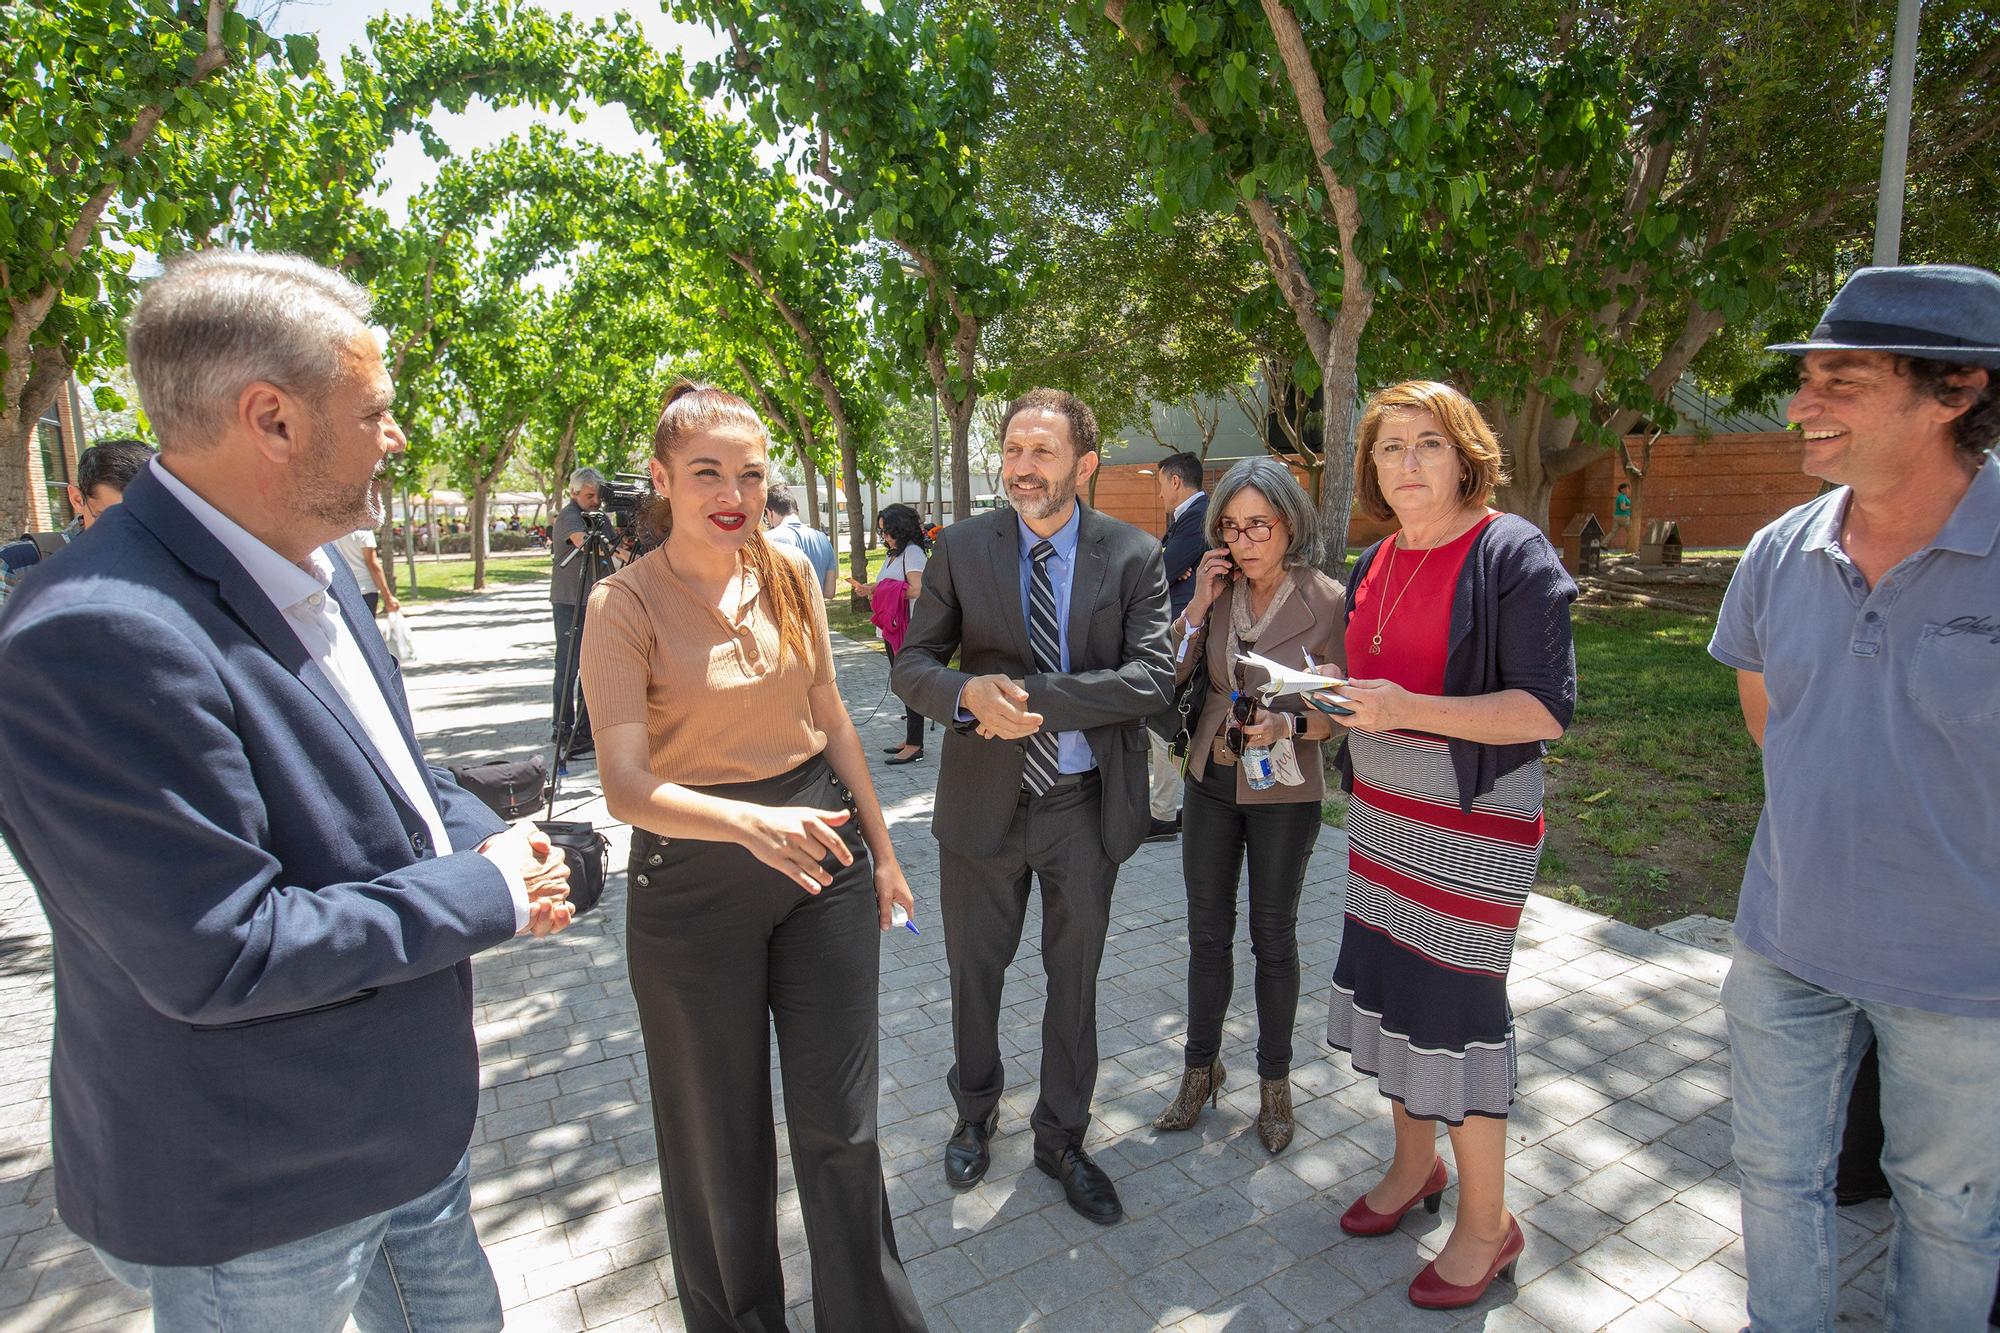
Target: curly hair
<point x="903" y="528"/>
<point x="1977" y="429"/>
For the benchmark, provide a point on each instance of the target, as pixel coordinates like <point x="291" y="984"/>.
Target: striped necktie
<point x="1045" y="638"/>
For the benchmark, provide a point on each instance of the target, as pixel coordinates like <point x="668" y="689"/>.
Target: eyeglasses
<point x="1256" y="530"/>
<point x="1242" y="706"/>
<point x="1424" y="451"/>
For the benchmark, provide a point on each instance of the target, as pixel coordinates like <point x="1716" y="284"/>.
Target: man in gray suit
<point x="1057" y="616"/>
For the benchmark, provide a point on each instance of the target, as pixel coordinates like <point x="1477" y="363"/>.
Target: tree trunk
<point x="832" y="528"/>
<point x="961" y="457"/>
<point x="850" y="485"/>
<point x="385" y="533"/>
<point x="811" y="475"/>
<point x="479" y="489"/>
<point x="46" y="376"/>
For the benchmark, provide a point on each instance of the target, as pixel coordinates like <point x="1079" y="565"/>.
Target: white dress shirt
<point x="1182" y="508"/>
<point x="301" y="593"/>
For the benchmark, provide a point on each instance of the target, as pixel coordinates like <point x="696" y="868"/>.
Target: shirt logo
<point x="1980" y="625"/>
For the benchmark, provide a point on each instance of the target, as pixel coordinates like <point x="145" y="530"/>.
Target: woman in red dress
<point x="1458" y="643"/>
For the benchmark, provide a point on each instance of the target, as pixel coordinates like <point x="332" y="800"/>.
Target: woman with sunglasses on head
<point x="1461" y="669"/>
<point x="1256" y="590"/>
<point x="760" y="881"/>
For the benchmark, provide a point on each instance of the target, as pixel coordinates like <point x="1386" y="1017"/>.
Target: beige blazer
<point x="1314" y="620"/>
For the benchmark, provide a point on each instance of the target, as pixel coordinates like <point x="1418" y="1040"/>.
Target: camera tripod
<point x="595" y="555"/>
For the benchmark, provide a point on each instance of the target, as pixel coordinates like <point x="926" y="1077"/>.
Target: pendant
<point x="1375" y="644"/>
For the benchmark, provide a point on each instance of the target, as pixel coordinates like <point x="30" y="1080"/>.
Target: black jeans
<point x="569" y="706"/>
<point x="913" y="721"/>
<point x="1216" y="835"/>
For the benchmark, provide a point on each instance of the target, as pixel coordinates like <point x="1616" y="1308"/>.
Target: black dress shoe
<point x="1164" y="830"/>
<point x="967" y="1153"/>
<point x="1084" y="1183"/>
<point x="909" y="758"/>
<point x="892" y="749"/>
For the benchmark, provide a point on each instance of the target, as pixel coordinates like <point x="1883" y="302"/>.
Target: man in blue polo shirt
<point x="1865" y="631"/>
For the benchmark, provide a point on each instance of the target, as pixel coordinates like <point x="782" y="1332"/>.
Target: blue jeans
<point x="1794" y="1048"/>
<point x="417" y="1268"/>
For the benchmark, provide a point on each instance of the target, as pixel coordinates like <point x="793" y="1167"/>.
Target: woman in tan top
<point x="761" y="873"/>
<point x="1256" y="590"/>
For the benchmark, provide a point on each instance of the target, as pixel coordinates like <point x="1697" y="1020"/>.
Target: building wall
<point x="1720" y="489"/>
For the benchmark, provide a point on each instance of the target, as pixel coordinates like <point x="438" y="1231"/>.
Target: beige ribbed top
<point x="717" y="704"/>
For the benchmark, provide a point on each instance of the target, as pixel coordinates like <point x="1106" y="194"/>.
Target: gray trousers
<point x="1058" y="840"/>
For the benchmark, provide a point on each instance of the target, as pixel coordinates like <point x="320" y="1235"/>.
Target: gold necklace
<point x="1388" y="577"/>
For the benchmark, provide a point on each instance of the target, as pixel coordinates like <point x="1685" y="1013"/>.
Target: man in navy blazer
<point x="1186" y="504"/>
<point x="262" y="901"/>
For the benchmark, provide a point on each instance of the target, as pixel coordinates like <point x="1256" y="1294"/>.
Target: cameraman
<point x="572" y="532"/>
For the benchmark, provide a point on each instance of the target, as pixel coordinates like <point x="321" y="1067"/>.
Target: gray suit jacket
<point x="1120" y="670"/>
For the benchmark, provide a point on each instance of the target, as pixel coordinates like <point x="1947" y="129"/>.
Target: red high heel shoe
<point x="1361" y="1220"/>
<point x="1431" y="1292"/>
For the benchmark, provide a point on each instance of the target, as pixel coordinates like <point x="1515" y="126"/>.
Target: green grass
<point x="1654" y="793"/>
<point x="841" y="615"/>
<point x="445" y="579"/>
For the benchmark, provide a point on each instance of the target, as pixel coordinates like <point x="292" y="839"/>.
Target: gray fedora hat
<point x="1942" y="312"/>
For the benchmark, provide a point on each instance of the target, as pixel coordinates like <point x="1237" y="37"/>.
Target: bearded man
<point x="1057" y="618"/>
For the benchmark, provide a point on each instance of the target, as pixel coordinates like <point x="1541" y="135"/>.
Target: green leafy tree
<point x="1645" y="176"/>
<point x="107" y="107"/>
<point x="889" y="105"/>
<point x="1315" y="124"/>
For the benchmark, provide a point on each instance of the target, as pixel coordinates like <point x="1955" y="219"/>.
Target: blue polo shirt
<point x="1875" y="872"/>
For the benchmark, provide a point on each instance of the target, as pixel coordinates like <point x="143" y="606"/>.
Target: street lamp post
<point x="937" y="454"/>
<point x="1896" y="135"/>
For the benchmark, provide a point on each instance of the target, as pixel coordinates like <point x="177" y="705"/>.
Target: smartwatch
<point x="1298" y="726"/>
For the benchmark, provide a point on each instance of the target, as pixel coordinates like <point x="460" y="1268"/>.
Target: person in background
<point x="103" y="471"/>
<point x="899" y="583"/>
<point x="1864" y="628"/>
<point x="761" y="879"/>
<point x="1256" y="589"/>
<point x="262" y="901"/>
<point x="783" y="525"/>
<point x="1621" y="517"/>
<point x="566" y="607"/>
<point x="357" y="548"/>
<point x="1179" y="479"/>
<point x="1461" y="671"/>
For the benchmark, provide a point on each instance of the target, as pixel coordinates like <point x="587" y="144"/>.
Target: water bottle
<point x="1258" y="770"/>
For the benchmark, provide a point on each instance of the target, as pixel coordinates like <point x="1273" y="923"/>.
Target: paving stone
<point x="1678" y="1234"/>
<point x="1624" y="1084"/>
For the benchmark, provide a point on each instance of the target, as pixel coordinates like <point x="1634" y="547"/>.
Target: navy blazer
<point x="263" y="1000"/>
<point x="1182" y="549"/>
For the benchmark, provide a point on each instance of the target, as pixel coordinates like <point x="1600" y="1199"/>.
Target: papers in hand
<point x="1289" y="680"/>
<point x="1292" y="680"/>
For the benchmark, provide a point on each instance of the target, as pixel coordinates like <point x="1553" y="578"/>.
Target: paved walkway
<point x="1620" y="1167"/>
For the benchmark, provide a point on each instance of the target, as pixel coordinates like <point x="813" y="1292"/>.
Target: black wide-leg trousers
<point x="721" y="949"/>
<point x="1217" y="836"/>
<point x="1056" y="838"/>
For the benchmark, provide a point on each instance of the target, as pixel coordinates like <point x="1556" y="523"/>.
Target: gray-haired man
<point x="572" y="530"/>
<point x="1865" y="632"/>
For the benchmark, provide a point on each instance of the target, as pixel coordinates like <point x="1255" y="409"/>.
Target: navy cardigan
<point x="1509" y="631"/>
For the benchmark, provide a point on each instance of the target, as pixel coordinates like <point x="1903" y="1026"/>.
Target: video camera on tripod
<point x="616" y="525"/>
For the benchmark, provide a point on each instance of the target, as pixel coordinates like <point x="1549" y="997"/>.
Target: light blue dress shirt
<point x="1072" y="750"/>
